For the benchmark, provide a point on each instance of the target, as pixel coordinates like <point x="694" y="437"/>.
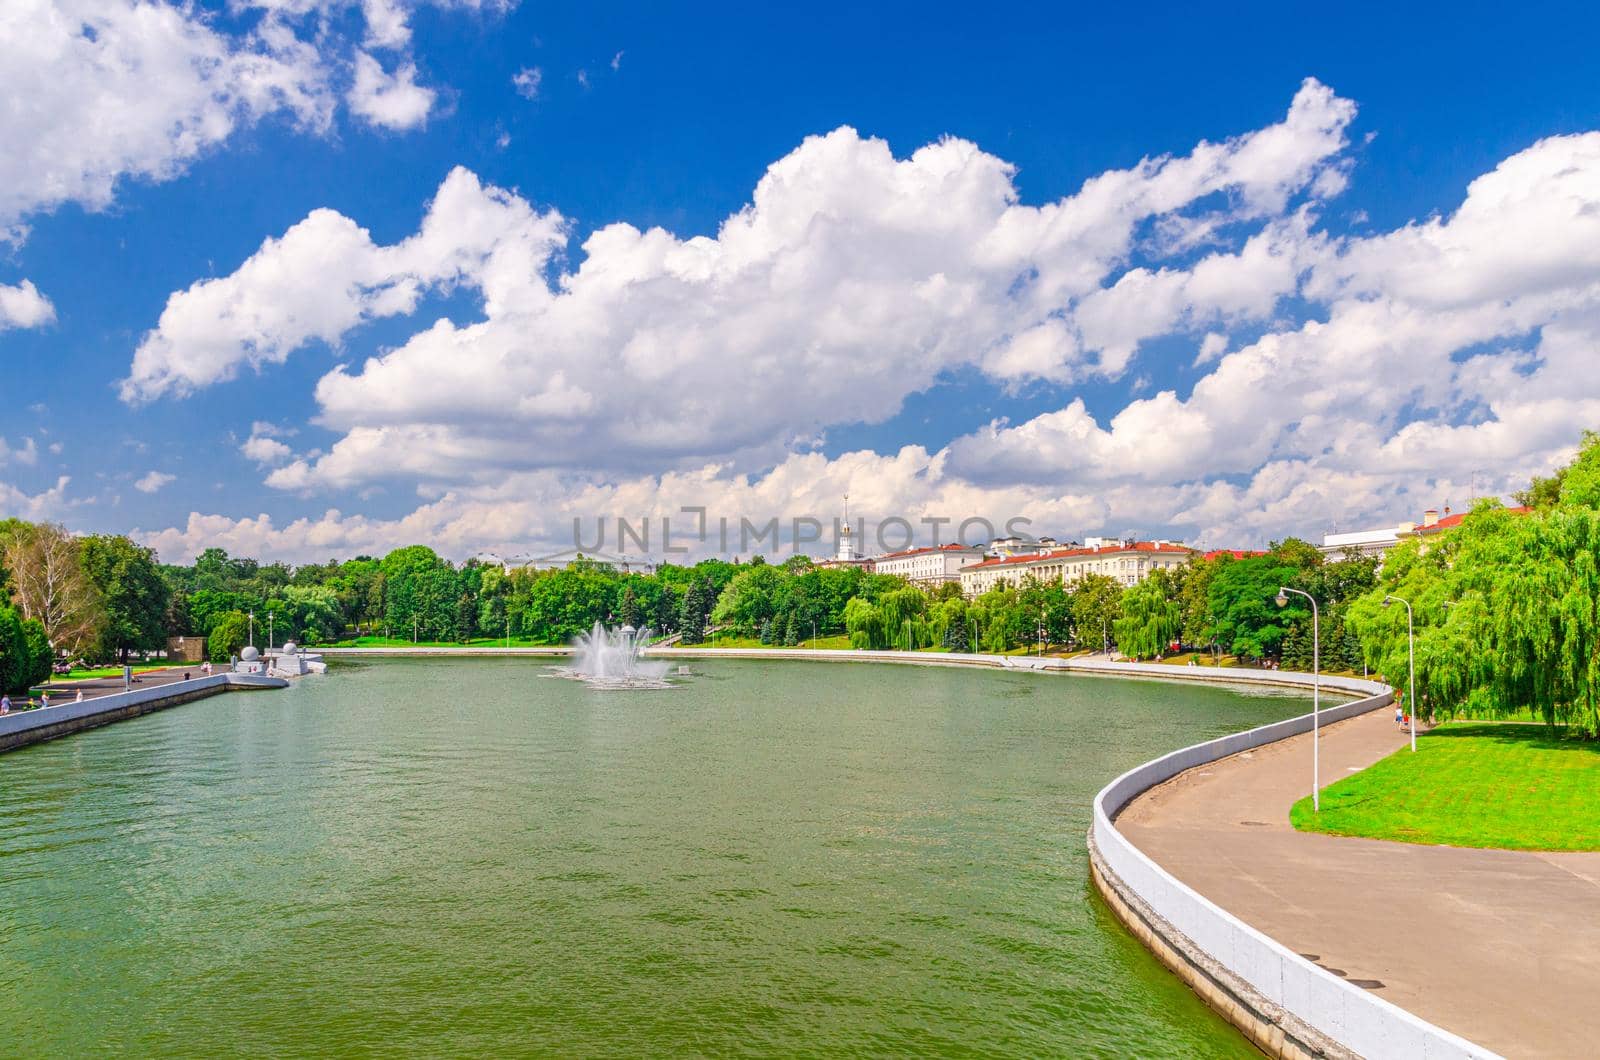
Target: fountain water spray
<point x="615" y="659"/>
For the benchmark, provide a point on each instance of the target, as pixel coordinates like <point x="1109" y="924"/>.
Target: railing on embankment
<point x="1281" y="1001"/>
<point x="23" y="727"/>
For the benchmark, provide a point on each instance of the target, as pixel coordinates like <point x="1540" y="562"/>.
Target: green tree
<point x="629" y="610"/>
<point x="49" y="583"/>
<point x="307" y="613"/>
<point x="1507" y="612"/>
<point x="751" y="597"/>
<point x="1580" y="480"/>
<point x="228" y="636"/>
<point x="40" y="659"/>
<point x="864" y="624"/>
<point x="466" y="617"/>
<point x="955" y="636"/>
<point x="697" y="603"/>
<point x="1296" y="647"/>
<point x="1151" y="618"/>
<point x="1096" y="604"/>
<point x="1293" y="552"/>
<point x="1194" y="599"/>
<point x="134" y="594"/>
<point x="16" y="663"/>
<point x="1243" y="610"/>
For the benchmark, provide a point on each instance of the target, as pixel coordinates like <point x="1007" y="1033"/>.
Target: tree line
<point x="102" y="598"/>
<point x="1507" y="605"/>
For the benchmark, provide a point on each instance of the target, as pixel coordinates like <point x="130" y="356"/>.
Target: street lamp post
<point x="1105" y="640"/>
<point x="252" y="629"/>
<point x="1316" y="693"/>
<point x="413" y="629"/>
<point x="269" y="630"/>
<point x="1411" y="664"/>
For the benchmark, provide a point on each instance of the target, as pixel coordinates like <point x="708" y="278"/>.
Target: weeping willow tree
<point x="899" y="620"/>
<point x="1152" y="618"/>
<point x="1507" y="612"/>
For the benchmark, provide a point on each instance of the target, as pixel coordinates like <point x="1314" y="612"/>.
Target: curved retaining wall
<point x="1282" y="1002"/>
<point x="23" y="727"/>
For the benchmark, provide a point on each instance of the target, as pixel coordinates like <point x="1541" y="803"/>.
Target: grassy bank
<point x="1472" y="784"/>
<point x="91" y="672"/>
<point x="407" y="642"/>
<point x="722" y="640"/>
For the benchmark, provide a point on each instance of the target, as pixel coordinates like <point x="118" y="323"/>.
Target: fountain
<point x="605" y="658"/>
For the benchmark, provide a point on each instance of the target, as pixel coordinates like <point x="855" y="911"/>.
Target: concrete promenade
<point x="64" y="691"/>
<point x="1500" y="947"/>
<point x="64" y="717"/>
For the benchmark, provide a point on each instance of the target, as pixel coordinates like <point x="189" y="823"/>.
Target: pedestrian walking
<point x="5" y="704"/>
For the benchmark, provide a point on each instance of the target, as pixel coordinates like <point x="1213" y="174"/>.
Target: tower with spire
<point x="847" y="551"/>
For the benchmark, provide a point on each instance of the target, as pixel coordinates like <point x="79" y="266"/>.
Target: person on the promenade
<point x="79" y="698"/>
<point x="5" y="704"/>
<point x="44" y="699"/>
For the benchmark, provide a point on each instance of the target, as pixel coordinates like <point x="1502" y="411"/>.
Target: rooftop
<point x="955" y="547"/>
<point x="1073" y="553"/>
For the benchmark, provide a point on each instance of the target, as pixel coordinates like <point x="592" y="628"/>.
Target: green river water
<point x="466" y="857"/>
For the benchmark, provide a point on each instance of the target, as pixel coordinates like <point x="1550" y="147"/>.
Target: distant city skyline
<point x="306" y="280"/>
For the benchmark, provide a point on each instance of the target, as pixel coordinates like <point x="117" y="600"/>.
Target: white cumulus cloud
<point x="392" y="101"/>
<point x="851" y="280"/>
<point x="1330" y="379"/>
<point x="102" y="90"/>
<point x="22" y="306"/>
<point x="26" y="453"/>
<point x="263" y="445"/>
<point x="527" y="81"/>
<point x="34" y="507"/>
<point x="154" y="481"/>
<point x="325" y="276"/>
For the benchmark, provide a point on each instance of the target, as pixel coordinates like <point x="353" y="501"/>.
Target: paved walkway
<point x="63" y="691"/>
<point x="1500" y="947"/>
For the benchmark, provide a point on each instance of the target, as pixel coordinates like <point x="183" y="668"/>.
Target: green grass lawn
<point x="116" y="671"/>
<point x="406" y="642"/>
<point x="728" y="640"/>
<point x="1201" y="658"/>
<point x="1472" y="784"/>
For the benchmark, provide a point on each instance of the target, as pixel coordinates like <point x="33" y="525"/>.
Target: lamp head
<point x="1387" y="600"/>
<point x="1283" y="598"/>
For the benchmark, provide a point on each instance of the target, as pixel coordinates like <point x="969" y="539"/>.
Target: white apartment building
<point x="1129" y="562"/>
<point x="930" y="567"/>
<point x="1378" y="542"/>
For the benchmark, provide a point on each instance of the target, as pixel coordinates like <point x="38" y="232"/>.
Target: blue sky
<point x="670" y="119"/>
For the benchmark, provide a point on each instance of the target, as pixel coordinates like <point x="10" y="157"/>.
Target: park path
<point x="1501" y="947"/>
<point x="62" y="691"/>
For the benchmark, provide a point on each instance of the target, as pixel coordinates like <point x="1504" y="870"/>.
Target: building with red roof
<point x="1129" y="562"/>
<point x="931" y="566"/>
<point x="1379" y="541"/>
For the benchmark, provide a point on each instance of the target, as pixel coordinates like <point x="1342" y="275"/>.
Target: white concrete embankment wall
<point x="1283" y="1002"/>
<point x="23" y="727"/>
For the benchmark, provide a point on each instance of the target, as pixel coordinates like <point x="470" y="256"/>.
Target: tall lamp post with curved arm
<point x="1316" y="692"/>
<point x="1411" y="664"/>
